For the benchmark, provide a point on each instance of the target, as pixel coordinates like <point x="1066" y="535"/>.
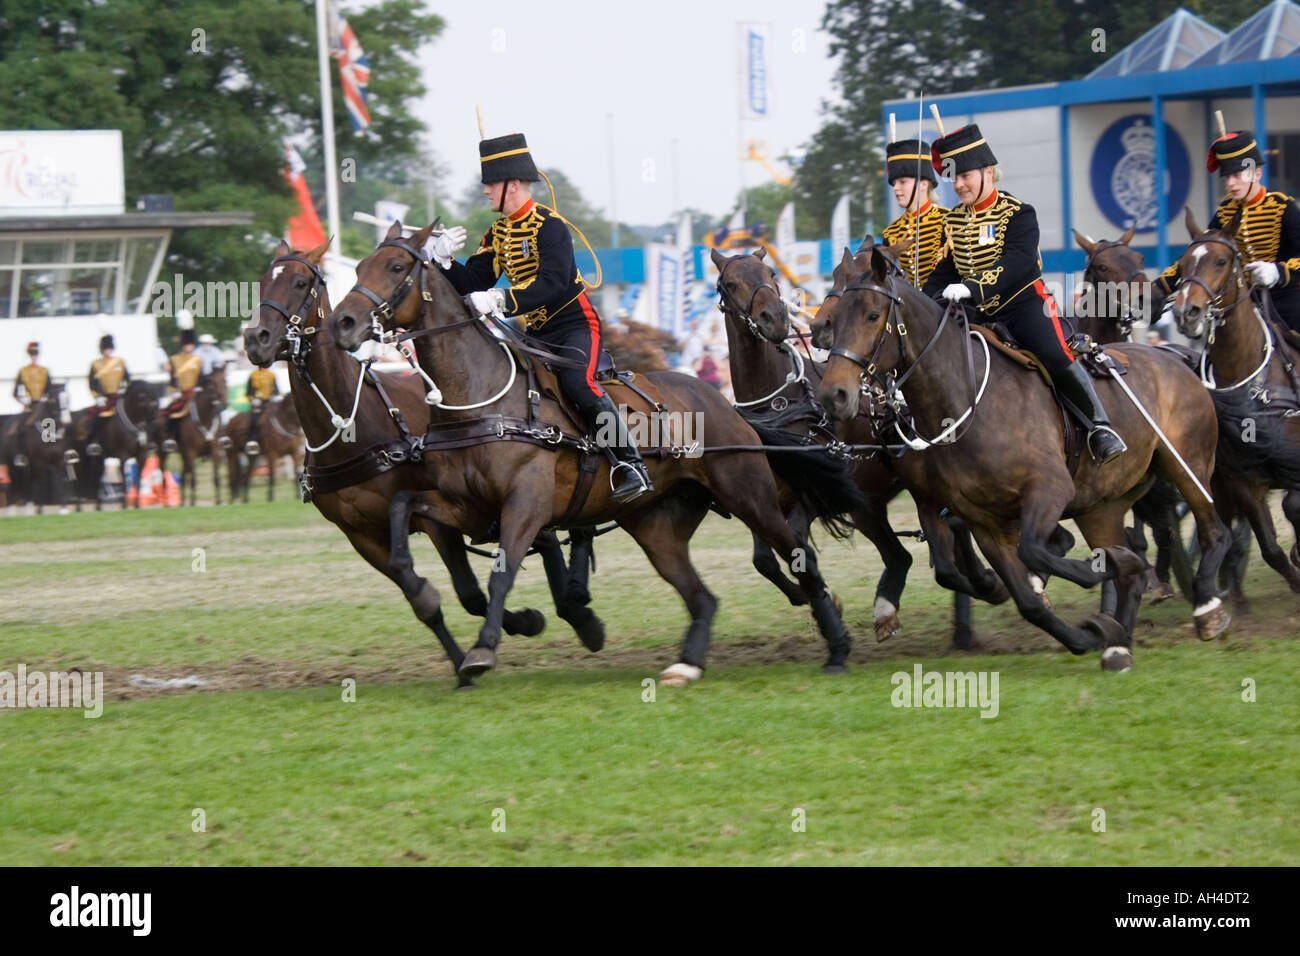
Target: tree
<point x="203" y="91"/>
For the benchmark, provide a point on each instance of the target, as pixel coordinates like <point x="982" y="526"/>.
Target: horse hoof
<point x="887" y="627"/>
<point x="478" y="661"/>
<point x="1161" y="592"/>
<point x="833" y="669"/>
<point x="680" y="675"/>
<point x="1212" y="620"/>
<point x="963" y="639"/>
<point x="592" y="633"/>
<point x="534" y="622"/>
<point x="1108" y="630"/>
<point x="1116" y="660"/>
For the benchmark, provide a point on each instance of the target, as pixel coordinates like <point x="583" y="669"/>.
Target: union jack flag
<point x="354" y="71"/>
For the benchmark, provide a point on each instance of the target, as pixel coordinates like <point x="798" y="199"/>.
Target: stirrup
<point x="252" y="448"/>
<point x="628" y="492"/>
<point x="20" y="461"/>
<point x="1105" y="429"/>
<point x="169" y="446"/>
<point x="94" y="449"/>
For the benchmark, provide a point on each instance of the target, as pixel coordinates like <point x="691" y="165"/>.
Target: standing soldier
<point x="1269" y="234"/>
<point x="29" y="388"/>
<point x="922" y="219"/>
<point x="108" y="379"/>
<point x="992" y="261"/>
<point x="261" y="386"/>
<point x="185" y="370"/>
<point x="531" y="244"/>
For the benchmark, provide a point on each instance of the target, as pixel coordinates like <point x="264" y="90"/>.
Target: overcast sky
<point x="665" y="69"/>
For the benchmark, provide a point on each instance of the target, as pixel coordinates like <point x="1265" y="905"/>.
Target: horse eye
<point x="1221" y="263"/>
<point x="873" y="316"/>
<point x="300" y="282"/>
<point x="395" y="267"/>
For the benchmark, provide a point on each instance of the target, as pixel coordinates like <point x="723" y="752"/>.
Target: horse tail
<point x="823" y="485"/>
<point x="1255" y="439"/>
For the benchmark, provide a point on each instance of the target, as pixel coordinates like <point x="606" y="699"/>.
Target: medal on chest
<point x="987" y="234"/>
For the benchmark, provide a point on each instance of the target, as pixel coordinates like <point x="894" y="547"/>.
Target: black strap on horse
<point x="1124" y="322"/>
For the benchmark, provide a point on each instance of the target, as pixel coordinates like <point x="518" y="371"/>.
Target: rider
<point x="922" y="219"/>
<point x="531" y="245"/>
<point x="185" y="370"/>
<point x="992" y="260"/>
<point x="1269" y="235"/>
<point x="261" y="386"/>
<point x="108" y="379"/>
<point x="29" y="388"/>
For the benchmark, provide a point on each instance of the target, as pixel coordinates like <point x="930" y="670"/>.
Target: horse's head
<point x="215" y="390"/>
<point x="822" y="334"/>
<point x="293" y="297"/>
<point x="1119" y="284"/>
<point x="140" y="402"/>
<point x="861" y="316"/>
<point x="1208" y="267"/>
<point x="381" y="300"/>
<point x="747" y="287"/>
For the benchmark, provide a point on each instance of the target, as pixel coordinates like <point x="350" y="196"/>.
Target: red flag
<point x="305" y="230"/>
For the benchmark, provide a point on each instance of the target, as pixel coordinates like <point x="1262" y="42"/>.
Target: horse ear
<point x="1086" y="244"/>
<point x="1234" y="222"/>
<point x="394" y="231"/>
<point x="898" y="248"/>
<point x="317" y="254"/>
<point x="420" y="238"/>
<point x="1193" y="230"/>
<point x="282" y="249"/>
<point x="718" y="258"/>
<point x="867" y="244"/>
<point x="879" y="264"/>
<point x="761" y="253"/>
<point x="847" y="259"/>
<point x="1128" y="235"/>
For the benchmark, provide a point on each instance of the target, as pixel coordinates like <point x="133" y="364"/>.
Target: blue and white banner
<point x="665" y="287"/>
<point x="840" y="228"/>
<point x="755" y="46"/>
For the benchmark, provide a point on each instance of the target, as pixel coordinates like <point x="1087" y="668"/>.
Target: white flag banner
<point x="755" y="47"/>
<point x="665" y="289"/>
<point x="785" y="244"/>
<point x="687" y="249"/>
<point x="389" y="212"/>
<point x="840" y="228"/>
<point x="737" y="221"/>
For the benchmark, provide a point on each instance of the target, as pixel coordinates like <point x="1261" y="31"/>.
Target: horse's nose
<point x="344" y="322"/>
<point x="835" y="399"/>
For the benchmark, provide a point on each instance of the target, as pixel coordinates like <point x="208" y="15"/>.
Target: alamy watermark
<point x="923" y="688"/>
<point x="37" y="689"/>
<point x="682" y="433"/>
<point x="206" y="300"/>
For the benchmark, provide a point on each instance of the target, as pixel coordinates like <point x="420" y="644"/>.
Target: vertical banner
<point x="389" y="212"/>
<point x="737" y="221"/>
<point x="840" y="228"/>
<point x="785" y="244"/>
<point x="755" y="45"/>
<point x="686" y="256"/>
<point x="665" y="289"/>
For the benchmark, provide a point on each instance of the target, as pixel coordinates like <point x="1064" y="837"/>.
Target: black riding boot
<point x="630" y="478"/>
<point x="253" y="446"/>
<point x="1104" y="444"/>
<point x="93" y="447"/>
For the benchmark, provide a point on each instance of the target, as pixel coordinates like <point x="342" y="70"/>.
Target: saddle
<point x="606" y="374"/>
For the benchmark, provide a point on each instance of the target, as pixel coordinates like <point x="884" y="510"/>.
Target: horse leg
<point x="1291" y="508"/>
<point x="1252" y="500"/>
<point x="581" y="560"/>
<point x="451" y="548"/>
<point x="765" y="562"/>
<point x="873" y="521"/>
<point x="271" y="461"/>
<point x="1040" y="513"/>
<point x="559" y="577"/>
<point x="1103" y="528"/>
<point x="664" y="534"/>
<point x="396" y="564"/>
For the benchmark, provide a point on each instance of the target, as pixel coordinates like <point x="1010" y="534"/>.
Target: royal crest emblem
<point x="1132" y="181"/>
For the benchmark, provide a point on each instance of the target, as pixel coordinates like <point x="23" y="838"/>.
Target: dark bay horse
<point x="527" y="484"/>
<point x="325" y="382"/>
<point x="997" y="456"/>
<point x="38" y="451"/>
<point x="768" y="376"/>
<point x="197" y="429"/>
<point x="123" y="436"/>
<point x="280" y="436"/>
<point x="1251" y="370"/>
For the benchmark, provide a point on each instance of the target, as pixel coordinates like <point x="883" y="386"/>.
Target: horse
<point x="998" y="458"/>
<point x="280" y="436"/>
<point x="38" y="456"/>
<point x="768" y="375"/>
<point x="124" y="435"/>
<point x="1250" y="368"/>
<point x="197" y="431"/>
<point x="527" y="482"/>
<point x="324" y="379"/>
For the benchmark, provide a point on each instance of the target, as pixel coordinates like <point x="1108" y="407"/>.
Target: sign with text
<point x="61" y="173"/>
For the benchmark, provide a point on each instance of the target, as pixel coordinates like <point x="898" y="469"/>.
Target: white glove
<point x="101" y="401"/>
<point x="485" y="303"/>
<point x="26" y="402"/>
<point x="1264" y="273"/>
<point x="956" y="292"/>
<point x="443" y="247"/>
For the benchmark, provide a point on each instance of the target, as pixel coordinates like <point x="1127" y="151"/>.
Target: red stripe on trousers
<point x="1056" y="322"/>
<point x="593" y="324"/>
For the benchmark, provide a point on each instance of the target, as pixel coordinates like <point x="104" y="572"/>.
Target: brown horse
<point x="124" y="435"/>
<point x="769" y="377"/>
<point x="280" y="436"/>
<point x="197" y="430"/>
<point x="326" y="382"/>
<point x="37" y="451"/>
<point x="1251" y="370"/>
<point x="527" y="484"/>
<point x="997" y="455"/>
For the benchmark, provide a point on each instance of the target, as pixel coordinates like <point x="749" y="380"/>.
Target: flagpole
<point x="327" y="124"/>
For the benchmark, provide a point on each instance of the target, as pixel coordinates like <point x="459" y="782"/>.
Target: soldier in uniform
<point x="531" y="245"/>
<point x="29" y="388"/>
<point x="992" y="263"/>
<point x="1269" y="235"/>
<point x="108" y="379"/>
<point x="185" y="369"/>
<point x="261" y="386"/>
<point x="922" y="219"/>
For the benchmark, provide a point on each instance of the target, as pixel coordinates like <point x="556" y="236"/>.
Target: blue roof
<point x="1272" y="32"/>
<point x="1171" y="44"/>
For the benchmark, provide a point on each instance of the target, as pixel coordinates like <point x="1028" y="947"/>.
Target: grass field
<point x="558" y="757"/>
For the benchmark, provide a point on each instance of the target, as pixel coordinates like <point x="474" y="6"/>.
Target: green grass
<point x="585" y="770"/>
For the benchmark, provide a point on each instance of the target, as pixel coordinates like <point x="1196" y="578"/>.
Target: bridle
<point x="747" y="313"/>
<point x="1124" y="323"/>
<point x="385" y="309"/>
<point x="294" y="334"/>
<point x="797" y="372"/>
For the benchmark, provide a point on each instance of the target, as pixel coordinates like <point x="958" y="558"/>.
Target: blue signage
<point x="757" y="73"/>
<point x="1122" y="172"/>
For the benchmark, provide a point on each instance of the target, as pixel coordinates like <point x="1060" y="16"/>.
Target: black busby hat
<point x="909" y="157"/>
<point x="1234" y="152"/>
<point x="106" y="342"/>
<point x="964" y="149"/>
<point x="188" y="337"/>
<point x="507" y="157"/>
<point x="33" y="348"/>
